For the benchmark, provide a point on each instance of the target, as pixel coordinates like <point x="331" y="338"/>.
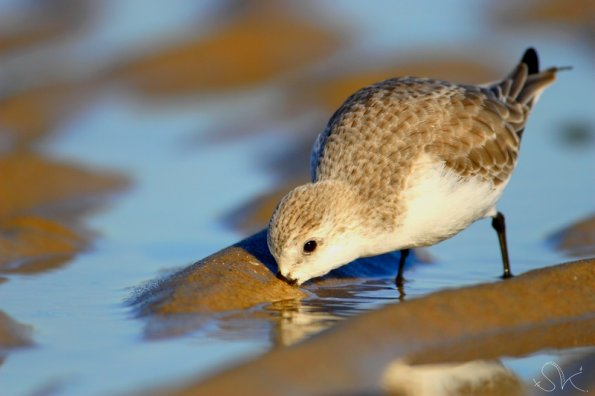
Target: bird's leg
<point x="400" y="280"/>
<point x="499" y="225"/>
<point x="401" y="291"/>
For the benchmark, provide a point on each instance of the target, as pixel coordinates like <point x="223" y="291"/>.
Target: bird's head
<point x="315" y="229"/>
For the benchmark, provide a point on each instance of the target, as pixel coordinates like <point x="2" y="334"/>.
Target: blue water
<point x="183" y="184"/>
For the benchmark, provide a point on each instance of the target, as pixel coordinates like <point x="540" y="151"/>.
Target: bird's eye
<point x="310" y="246"/>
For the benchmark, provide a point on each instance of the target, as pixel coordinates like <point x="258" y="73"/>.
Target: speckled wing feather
<point x="475" y="130"/>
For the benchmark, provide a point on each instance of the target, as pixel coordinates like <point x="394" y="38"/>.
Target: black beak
<point x="291" y="282"/>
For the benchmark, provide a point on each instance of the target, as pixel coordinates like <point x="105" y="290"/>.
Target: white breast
<point x="438" y="204"/>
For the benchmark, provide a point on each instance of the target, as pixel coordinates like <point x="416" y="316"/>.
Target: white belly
<point x="439" y="204"/>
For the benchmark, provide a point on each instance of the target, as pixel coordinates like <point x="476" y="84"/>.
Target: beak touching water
<point x="292" y="282"/>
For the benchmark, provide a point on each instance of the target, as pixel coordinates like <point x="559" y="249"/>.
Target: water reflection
<point x="209" y="297"/>
<point x="479" y="377"/>
<point x="283" y="322"/>
<point x="332" y="300"/>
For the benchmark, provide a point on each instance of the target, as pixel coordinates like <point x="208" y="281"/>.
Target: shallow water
<point x="185" y="181"/>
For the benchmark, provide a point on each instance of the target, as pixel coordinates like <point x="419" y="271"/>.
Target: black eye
<point x="310" y="246"/>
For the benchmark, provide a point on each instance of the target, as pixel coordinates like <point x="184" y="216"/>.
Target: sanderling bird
<point x="404" y="163"/>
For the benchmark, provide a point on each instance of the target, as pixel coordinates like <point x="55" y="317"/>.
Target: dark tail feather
<point x="520" y="90"/>
<point x="531" y="59"/>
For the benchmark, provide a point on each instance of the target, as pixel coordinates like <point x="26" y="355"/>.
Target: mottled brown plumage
<point x="389" y="148"/>
<point x="475" y="130"/>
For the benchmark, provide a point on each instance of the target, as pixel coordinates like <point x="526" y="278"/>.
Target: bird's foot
<point x="507" y="275"/>
<point x="400" y="284"/>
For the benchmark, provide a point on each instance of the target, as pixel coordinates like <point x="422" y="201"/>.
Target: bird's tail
<point x="526" y="82"/>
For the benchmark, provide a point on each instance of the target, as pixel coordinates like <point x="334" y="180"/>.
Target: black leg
<point x="500" y="227"/>
<point x="400" y="280"/>
<point x="401" y="291"/>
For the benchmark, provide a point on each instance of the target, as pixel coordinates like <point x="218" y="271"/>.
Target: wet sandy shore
<point x="240" y="281"/>
<point x="241" y="276"/>
<point x="546" y="308"/>
<point x="454" y="338"/>
<point x="578" y="239"/>
<point x="44" y="200"/>
<point x="45" y="204"/>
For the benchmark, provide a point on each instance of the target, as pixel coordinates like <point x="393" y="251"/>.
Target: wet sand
<point x="251" y="47"/>
<point x="242" y="276"/>
<point x="235" y="278"/>
<point x="454" y="336"/>
<point x="546" y="308"/>
<point x="42" y="200"/>
<point x="240" y="281"/>
<point x="578" y="239"/>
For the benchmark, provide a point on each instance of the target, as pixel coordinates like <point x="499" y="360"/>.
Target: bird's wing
<point x="481" y="137"/>
<point x="475" y="130"/>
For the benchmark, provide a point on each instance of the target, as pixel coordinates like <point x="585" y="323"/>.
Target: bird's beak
<point x="292" y="282"/>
